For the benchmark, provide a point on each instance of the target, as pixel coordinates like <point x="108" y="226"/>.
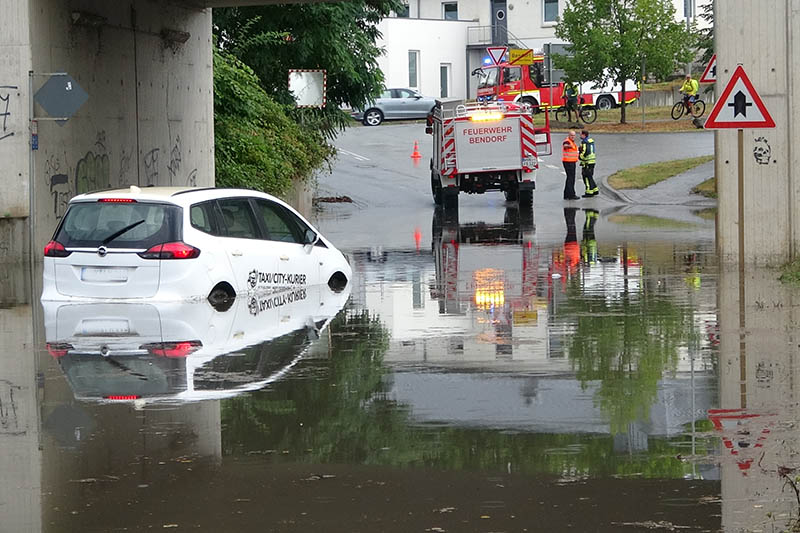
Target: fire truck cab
<point x="483" y="147"/>
<point x="508" y="82"/>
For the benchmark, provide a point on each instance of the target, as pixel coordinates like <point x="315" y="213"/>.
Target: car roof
<point x="176" y="195"/>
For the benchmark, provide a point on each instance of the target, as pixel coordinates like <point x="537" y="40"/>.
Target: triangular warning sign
<point x="497" y="53"/>
<point x="710" y="73"/>
<point x="739" y="106"/>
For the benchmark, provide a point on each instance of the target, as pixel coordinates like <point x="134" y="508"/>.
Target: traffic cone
<point x="415" y="154"/>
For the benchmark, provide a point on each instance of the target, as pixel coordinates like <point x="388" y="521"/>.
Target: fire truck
<point x="481" y="147"/>
<point x="508" y="82"/>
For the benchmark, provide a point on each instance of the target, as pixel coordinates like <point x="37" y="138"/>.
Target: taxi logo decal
<point x="259" y="305"/>
<point x="256" y="278"/>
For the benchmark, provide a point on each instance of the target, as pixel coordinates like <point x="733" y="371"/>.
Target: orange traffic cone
<point x="415" y="154"/>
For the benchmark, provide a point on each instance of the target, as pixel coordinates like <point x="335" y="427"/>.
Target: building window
<point x="549" y="11"/>
<point x="450" y="10"/>
<point x="403" y="11"/>
<point x="413" y="69"/>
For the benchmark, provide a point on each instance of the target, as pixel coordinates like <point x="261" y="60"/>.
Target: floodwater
<point x="488" y="376"/>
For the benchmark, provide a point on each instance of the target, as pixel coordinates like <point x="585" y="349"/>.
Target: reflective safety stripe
<point x="587" y="151"/>
<point x="569" y="151"/>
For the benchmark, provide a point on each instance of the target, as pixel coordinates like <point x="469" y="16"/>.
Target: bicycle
<point x="697" y="108"/>
<point x="587" y="114"/>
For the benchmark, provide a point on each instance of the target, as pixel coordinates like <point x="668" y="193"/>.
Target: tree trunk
<point x="622" y="105"/>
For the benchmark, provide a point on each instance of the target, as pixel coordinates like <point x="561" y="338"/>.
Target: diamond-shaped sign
<point x="61" y="96"/>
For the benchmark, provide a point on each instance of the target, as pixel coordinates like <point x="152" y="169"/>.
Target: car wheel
<point x="373" y="117"/>
<point x="604" y="103"/>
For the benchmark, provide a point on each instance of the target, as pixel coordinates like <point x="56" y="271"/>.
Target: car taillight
<point x="58" y="349"/>
<point x="117" y="200"/>
<point x="55" y="249"/>
<point x="172" y="349"/>
<point x="122" y="397"/>
<point x="171" y="250"/>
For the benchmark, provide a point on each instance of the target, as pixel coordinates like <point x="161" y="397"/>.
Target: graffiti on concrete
<point x="191" y="181"/>
<point x="58" y="181"/>
<point x="175" y="157"/>
<point x="92" y="173"/>
<point x="9" y="418"/>
<point x="762" y="152"/>
<point x="151" y="166"/>
<point x="125" y="160"/>
<point x="5" y="98"/>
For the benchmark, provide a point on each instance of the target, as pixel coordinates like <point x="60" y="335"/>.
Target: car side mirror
<point x="310" y="237"/>
<point x="417" y="96"/>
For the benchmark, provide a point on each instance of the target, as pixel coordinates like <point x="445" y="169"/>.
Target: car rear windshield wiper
<point x="120" y="232"/>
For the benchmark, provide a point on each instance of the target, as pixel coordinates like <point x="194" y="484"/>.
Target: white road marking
<point x="354" y="156"/>
<point x="552" y="167"/>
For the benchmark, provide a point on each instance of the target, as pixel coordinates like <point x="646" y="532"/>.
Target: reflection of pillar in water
<point x="21" y="457"/>
<point x="757" y="323"/>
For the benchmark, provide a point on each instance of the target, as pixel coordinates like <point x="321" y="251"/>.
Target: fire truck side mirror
<point x="429" y="130"/>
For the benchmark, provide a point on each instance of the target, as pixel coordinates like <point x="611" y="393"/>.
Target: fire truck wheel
<point x="531" y="102"/>
<point x="605" y="103"/>
<point x="511" y="194"/>
<point x="525" y="199"/>
<point x="373" y="117"/>
<point x="436" y="189"/>
<point x="451" y="202"/>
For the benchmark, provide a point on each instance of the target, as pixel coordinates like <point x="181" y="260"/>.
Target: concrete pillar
<point x="760" y="36"/>
<point x="147" y="67"/>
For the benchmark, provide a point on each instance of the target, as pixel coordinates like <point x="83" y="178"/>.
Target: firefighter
<point x="569" y="157"/>
<point x="570" y="96"/>
<point x="588" y="241"/>
<point x="587" y="158"/>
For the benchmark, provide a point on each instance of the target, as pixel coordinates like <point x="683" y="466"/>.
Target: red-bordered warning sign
<point x="497" y="53"/>
<point x="740" y="434"/>
<point x="710" y="73"/>
<point x="740" y="106"/>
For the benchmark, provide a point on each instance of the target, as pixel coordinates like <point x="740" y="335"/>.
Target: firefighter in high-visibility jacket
<point x="588" y="158"/>
<point x="569" y="158"/>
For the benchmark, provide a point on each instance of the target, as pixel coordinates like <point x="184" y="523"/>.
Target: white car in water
<point x="178" y="243"/>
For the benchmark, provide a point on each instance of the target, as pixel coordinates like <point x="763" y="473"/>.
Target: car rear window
<point x="92" y="224"/>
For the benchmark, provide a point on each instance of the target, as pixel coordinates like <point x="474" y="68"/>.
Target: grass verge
<point x="652" y="173"/>
<point x="708" y="188"/>
<point x="648" y="222"/>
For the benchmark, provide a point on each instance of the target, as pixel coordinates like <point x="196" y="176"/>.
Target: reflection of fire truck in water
<point x="526" y="84"/>
<point x="500" y="286"/>
<point x="484" y="147"/>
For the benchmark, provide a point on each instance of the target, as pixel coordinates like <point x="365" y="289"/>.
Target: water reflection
<point x="186" y="351"/>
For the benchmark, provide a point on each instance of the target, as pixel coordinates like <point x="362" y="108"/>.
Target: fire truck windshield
<point x="490" y="78"/>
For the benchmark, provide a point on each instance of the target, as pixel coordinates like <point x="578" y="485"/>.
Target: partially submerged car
<point x="168" y="244"/>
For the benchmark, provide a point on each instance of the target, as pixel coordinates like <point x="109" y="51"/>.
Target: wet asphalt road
<point x="582" y="370"/>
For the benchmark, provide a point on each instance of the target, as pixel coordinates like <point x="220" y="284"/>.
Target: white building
<point x="435" y="44"/>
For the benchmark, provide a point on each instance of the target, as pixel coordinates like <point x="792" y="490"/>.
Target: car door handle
<point x="284" y="258"/>
<point x="237" y="253"/>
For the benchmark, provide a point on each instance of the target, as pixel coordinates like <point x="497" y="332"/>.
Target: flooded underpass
<point x="494" y="373"/>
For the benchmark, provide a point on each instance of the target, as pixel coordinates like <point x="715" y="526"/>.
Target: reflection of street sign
<point x="497" y="53"/>
<point x="739" y="106"/>
<point x="738" y="433"/>
<point x="521" y="318"/>
<point x="520" y="56"/>
<point x="61" y="96"/>
<point x="710" y="73"/>
<point x="308" y="87"/>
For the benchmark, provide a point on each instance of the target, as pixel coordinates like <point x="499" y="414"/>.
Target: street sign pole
<point x="742" y="341"/>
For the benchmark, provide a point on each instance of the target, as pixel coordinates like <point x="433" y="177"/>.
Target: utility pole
<point x="688" y="12"/>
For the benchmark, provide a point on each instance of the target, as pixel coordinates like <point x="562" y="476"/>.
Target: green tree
<point x="257" y="144"/>
<point x="705" y="41"/>
<point x="339" y="37"/>
<point x="610" y="39"/>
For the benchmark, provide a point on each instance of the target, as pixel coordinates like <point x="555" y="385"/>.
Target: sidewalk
<point x="676" y="190"/>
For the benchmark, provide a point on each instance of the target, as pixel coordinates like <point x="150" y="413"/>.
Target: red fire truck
<point x="526" y="83"/>
<point x="482" y="147"/>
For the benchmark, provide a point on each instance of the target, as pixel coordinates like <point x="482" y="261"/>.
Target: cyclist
<point x="689" y="90"/>
<point x="570" y="96"/>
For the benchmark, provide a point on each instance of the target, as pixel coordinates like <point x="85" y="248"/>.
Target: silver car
<point x="396" y="104"/>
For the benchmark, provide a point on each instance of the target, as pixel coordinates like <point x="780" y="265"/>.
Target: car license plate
<point x="104" y="327"/>
<point x="104" y="274"/>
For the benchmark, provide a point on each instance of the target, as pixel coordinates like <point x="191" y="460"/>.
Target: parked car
<point x="398" y="103"/>
<point x="175" y="243"/>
